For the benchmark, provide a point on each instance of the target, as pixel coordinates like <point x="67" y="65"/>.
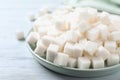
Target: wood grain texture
<point x="16" y="62"/>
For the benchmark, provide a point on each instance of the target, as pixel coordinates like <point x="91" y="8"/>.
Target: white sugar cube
<point x="86" y="13"/>
<point x="110" y="46"/>
<point x="118" y="43"/>
<point x="115" y="23"/>
<point x="90" y="47"/>
<point x="20" y="35"/>
<point x="104" y="18"/>
<point x="113" y="59"/>
<point x="44" y="10"/>
<point x="102" y="52"/>
<point x="61" y="59"/>
<point x="92" y="11"/>
<point x="47" y="40"/>
<point x="60" y="42"/>
<point x="52" y="51"/>
<point x="31" y="17"/>
<point x="77" y="51"/>
<point x="40" y="49"/>
<point x="53" y="32"/>
<point x="64" y="7"/>
<point x="86" y="55"/>
<point x="117" y="51"/>
<point x="32" y="38"/>
<point x="115" y="35"/>
<point x="74" y="25"/>
<point x="83" y="63"/>
<point x="42" y="31"/>
<point x="83" y="41"/>
<point x="97" y="62"/>
<point x="72" y="36"/>
<point x="72" y="62"/>
<point x="104" y="32"/>
<point x="61" y="25"/>
<point x="83" y="26"/>
<point x="68" y="49"/>
<point x="99" y="42"/>
<point x="93" y="34"/>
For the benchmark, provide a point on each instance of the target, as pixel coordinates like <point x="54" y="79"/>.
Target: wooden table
<point x="16" y="62"/>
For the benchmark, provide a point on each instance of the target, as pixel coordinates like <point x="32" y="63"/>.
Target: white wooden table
<point x="16" y="62"/>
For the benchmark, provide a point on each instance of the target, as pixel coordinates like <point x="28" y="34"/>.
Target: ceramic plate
<point x="74" y="71"/>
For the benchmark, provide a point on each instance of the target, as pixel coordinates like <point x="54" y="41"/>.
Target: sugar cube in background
<point x="52" y="51"/>
<point x="93" y="34"/>
<point x="115" y="35"/>
<point x="47" y="40"/>
<point x="40" y="49"/>
<point x="65" y="7"/>
<point x="61" y="25"/>
<point x="60" y="42"/>
<point x="110" y="46"/>
<point x="83" y="63"/>
<point x="31" y="17"/>
<point x="99" y="42"/>
<point x="113" y="59"/>
<point x="104" y="32"/>
<point x="97" y="62"/>
<point x="61" y="59"/>
<point x="72" y="36"/>
<point x="42" y="31"/>
<point x="102" y="52"/>
<point x="118" y="43"/>
<point x="117" y="50"/>
<point x="44" y="10"/>
<point x="104" y="18"/>
<point x="72" y="62"/>
<point x="83" y="41"/>
<point x="54" y="32"/>
<point x="20" y="35"/>
<point x="83" y="26"/>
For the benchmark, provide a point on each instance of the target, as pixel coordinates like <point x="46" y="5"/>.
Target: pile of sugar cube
<point x="82" y="38"/>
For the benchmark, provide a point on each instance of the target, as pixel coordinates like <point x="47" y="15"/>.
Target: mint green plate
<point x="74" y="71"/>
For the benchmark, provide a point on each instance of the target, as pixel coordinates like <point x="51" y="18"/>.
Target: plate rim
<point x="69" y="68"/>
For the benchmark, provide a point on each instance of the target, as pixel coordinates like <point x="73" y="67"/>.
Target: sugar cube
<point x="97" y="62"/>
<point x="110" y="46"/>
<point x="102" y="52"/>
<point x="83" y="63"/>
<point x="115" y="35"/>
<point x="20" y="35"/>
<point x="52" y="51"/>
<point x="47" y="40"/>
<point x="68" y="49"/>
<point x="77" y="51"/>
<point x="93" y="34"/>
<point x="90" y="47"/>
<point x="61" y="59"/>
<point x="72" y="62"/>
<point x="40" y="49"/>
<point x="113" y="59"/>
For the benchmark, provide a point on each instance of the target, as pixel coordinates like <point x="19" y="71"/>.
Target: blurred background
<point x="112" y="6"/>
<point x="16" y="62"/>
